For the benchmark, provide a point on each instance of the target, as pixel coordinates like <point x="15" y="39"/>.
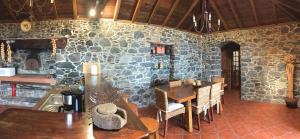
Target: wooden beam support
<point x="75" y="9"/>
<point x="171" y="12"/>
<point x="233" y="9"/>
<point x="117" y="9"/>
<point x="214" y="6"/>
<point x="153" y="11"/>
<point x="187" y="13"/>
<point x="254" y="11"/>
<point x="137" y="10"/>
<point x="293" y="17"/>
<point x="9" y="11"/>
<point x="288" y="6"/>
<point x="274" y="12"/>
<point x="55" y="10"/>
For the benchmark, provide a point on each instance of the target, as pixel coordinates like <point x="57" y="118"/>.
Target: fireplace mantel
<point x="36" y="43"/>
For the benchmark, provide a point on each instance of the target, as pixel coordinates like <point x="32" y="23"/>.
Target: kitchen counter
<point x="22" y="123"/>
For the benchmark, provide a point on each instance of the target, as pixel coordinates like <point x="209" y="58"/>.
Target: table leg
<point x="189" y="116"/>
<point x="13" y="89"/>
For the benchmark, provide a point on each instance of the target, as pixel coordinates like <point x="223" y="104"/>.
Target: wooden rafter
<point x="55" y="10"/>
<point x="254" y="11"/>
<point x="187" y="13"/>
<point x="75" y="12"/>
<point x="153" y="11"/>
<point x="288" y="6"/>
<point x="171" y="12"/>
<point x="274" y="12"/>
<point x="236" y="16"/>
<point x="214" y="6"/>
<point x="137" y="10"/>
<point x="287" y="12"/>
<point x="9" y="11"/>
<point x="117" y="9"/>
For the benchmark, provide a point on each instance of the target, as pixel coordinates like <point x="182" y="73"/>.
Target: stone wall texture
<point x="123" y="50"/>
<point x="263" y="75"/>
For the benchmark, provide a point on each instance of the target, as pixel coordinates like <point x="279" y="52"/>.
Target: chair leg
<point x="156" y="135"/>
<point x="182" y="119"/>
<point x="223" y="100"/>
<point x="166" y="128"/>
<point x="198" y="117"/>
<point x="212" y="113"/>
<point x="208" y="115"/>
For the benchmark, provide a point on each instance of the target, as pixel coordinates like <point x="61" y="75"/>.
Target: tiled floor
<point x="240" y="120"/>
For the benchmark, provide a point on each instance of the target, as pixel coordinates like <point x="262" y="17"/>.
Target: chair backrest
<point x="161" y="99"/>
<point x="216" y="89"/>
<point x="216" y="79"/>
<point x="175" y="83"/>
<point x="203" y="94"/>
<point x="189" y="81"/>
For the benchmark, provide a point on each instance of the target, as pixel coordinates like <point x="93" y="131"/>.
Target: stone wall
<point x="123" y="49"/>
<point x="262" y="51"/>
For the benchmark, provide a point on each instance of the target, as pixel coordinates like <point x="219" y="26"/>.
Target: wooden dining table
<point x="184" y="94"/>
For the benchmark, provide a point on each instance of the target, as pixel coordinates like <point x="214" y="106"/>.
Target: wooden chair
<point x="215" y="98"/>
<point x="189" y="81"/>
<point x="175" y="83"/>
<point x="167" y="110"/>
<point x="152" y="126"/>
<point x="216" y="79"/>
<point x="202" y="103"/>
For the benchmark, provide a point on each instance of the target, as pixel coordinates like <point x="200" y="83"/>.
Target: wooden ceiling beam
<point x="293" y="17"/>
<point x="153" y="11"/>
<point x="236" y="16"/>
<point x="288" y="6"/>
<point x="9" y="11"/>
<point x="75" y="9"/>
<point x="187" y="13"/>
<point x="216" y="9"/>
<point x="171" y="12"/>
<point x="55" y="10"/>
<point x="137" y="10"/>
<point x="117" y="9"/>
<point x="253" y="8"/>
<point x="274" y="11"/>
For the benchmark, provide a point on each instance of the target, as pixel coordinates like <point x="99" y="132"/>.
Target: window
<point x="236" y="60"/>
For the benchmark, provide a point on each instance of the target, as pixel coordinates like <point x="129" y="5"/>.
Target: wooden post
<point x="290" y="59"/>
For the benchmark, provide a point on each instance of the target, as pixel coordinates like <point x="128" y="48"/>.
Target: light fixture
<point x="92" y="12"/>
<point x="205" y="20"/>
<point x="51" y="1"/>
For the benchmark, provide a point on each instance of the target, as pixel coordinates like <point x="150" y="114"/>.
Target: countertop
<point x="23" y="123"/>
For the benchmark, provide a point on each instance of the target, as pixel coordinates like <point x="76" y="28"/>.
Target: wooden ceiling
<point x="171" y="13"/>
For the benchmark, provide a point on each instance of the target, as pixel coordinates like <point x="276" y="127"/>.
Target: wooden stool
<point x="152" y="126"/>
<point x="134" y="108"/>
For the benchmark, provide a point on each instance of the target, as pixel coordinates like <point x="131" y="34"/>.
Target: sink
<point x="7" y="71"/>
<point x="52" y="103"/>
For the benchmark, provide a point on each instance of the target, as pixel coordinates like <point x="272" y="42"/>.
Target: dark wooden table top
<point x="182" y="93"/>
<point x="31" y="124"/>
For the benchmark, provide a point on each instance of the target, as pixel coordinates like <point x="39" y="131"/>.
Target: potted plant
<point x="290" y="100"/>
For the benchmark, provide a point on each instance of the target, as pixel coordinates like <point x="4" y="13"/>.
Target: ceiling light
<point x="51" y="1"/>
<point x="92" y="12"/>
<point x="101" y="13"/>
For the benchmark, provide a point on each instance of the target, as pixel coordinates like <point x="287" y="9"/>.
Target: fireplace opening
<point x="32" y="62"/>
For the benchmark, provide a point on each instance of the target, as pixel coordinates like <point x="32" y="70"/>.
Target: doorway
<point x="230" y="55"/>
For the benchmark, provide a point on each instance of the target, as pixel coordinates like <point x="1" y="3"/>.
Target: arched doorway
<point x="231" y="65"/>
